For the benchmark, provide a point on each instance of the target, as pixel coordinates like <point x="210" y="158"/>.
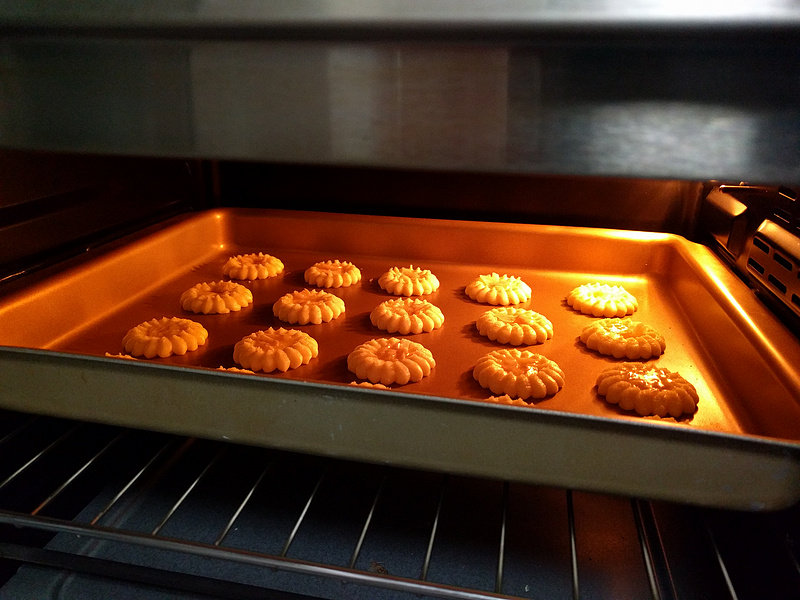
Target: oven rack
<point x="89" y="510"/>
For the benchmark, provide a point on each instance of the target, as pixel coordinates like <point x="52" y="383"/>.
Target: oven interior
<point x="520" y="122"/>
<point x="97" y="510"/>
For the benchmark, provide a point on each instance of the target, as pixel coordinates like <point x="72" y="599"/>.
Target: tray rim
<point x="771" y="482"/>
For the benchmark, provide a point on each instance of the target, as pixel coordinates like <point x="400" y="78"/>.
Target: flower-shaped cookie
<point x="332" y="274"/>
<point x="408" y="281"/>
<point x="623" y="338"/>
<point x="391" y="360"/>
<point x="406" y="315"/>
<point x="275" y="349"/>
<point x="216" y="297"/>
<point x="164" y="337"/>
<point x="515" y="326"/>
<point x="602" y="300"/>
<point x="647" y="390"/>
<point x="252" y="266"/>
<point x="498" y="289"/>
<point x="308" y="306"/>
<point x="518" y="373"/>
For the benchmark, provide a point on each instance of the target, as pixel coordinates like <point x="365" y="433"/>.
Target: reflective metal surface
<point x="649" y="91"/>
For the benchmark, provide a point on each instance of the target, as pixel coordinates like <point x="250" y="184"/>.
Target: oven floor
<point x="132" y="514"/>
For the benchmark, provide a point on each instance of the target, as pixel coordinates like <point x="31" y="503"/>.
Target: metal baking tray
<point x="740" y="450"/>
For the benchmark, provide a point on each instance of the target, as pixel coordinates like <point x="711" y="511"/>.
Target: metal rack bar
<point x="498" y="586"/>
<point x="434" y="527"/>
<point x="246" y="557"/>
<point x="135" y="574"/>
<point x="367" y="522"/>
<point x="302" y="516"/>
<point x="187" y="492"/>
<point x="15" y="432"/>
<point x="76" y="474"/>
<point x="39" y="455"/>
<point x="148" y="465"/>
<point x="573" y="547"/>
<point x="241" y="506"/>
<point x="721" y="562"/>
<point x="647" y="551"/>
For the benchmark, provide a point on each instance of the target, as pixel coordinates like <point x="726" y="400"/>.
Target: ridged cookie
<point x="647" y="390"/>
<point x="602" y="300"/>
<point x="498" y="289"/>
<point x="332" y="274"/>
<point x="252" y="266"/>
<point x="164" y="337"/>
<point x="391" y="360"/>
<point x="216" y="297"/>
<point x="406" y="315"/>
<point x="275" y="350"/>
<point x="408" y="281"/>
<point x="515" y="326"/>
<point x="518" y="373"/>
<point x="308" y="306"/>
<point x="623" y="338"/>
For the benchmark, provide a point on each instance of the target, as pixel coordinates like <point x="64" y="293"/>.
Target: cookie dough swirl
<point x="332" y="274"/>
<point x="164" y="337"/>
<point x="275" y="350"/>
<point x="647" y="390"/>
<point x="406" y="315"/>
<point x="602" y="300"/>
<point x="408" y="281"/>
<point x="216" y="297"/>
<point x="498" y="289"/>
<point x="623" y="338"/>
<point x="519" y="374"/>
<point x="252" y="266"/>
<point x="308" y="306"/>
<point x="515" y="326"/>
<point x="391" y="360"/>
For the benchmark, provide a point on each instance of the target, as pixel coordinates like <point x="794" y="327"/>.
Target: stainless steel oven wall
<point x="588" y="88"/>
<point x="53" y="206"/>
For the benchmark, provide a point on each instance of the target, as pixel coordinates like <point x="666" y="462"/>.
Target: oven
<point x="142" y="146"/>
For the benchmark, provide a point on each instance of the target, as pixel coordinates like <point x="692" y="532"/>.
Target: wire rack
<point x="96" y="511"/>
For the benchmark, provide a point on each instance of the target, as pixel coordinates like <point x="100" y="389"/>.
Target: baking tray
<point x="740" y="450"/>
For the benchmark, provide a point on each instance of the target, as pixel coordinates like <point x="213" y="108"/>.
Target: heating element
<point x="97" y="509"/>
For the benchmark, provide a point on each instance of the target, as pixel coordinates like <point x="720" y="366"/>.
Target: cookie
<point x="120" y="355"/>
<point x="649" y="391"/>
<point x="518" y="373"/>
<point x="623" y="338"/>
<point x="406" y="315"/>
<point x="498" y="289"/>
<point x="308" y="306"/>
<point x="275" y="349"/>
<point x="235" y="370"/>
<point x="164" y="337"/>
<point x="408" y="281"/>
<point x="216" y="297"/>
<point x="508" y="400"/>
<point x="602" y="300"/>
<point x="252" y="266"/>
<point x="515" y="326"/>
<point x="391" y="360"/>
<point x="367" y="384"/>
<point x="332" y="274"/>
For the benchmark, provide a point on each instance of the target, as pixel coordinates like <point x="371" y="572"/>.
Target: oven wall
<point x="641" y="204"/>
<point x="56" y="205"/>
